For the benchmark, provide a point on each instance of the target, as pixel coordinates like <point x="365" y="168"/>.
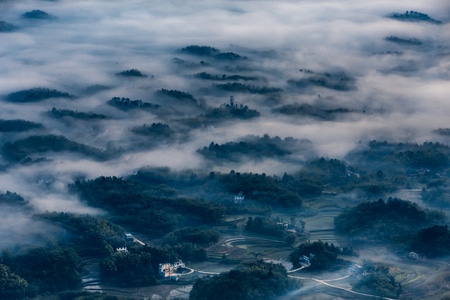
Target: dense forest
<point x="6" y="27"/>
<point x="131" y="73"/>
<point x="240" y="87"/>
<point x="338" y="82"/>
<point x="36" y="94"/>
<point x="394" y="220"/>
<point x="39" y="271"/>
<point x="414" y="16"/>
<point x="307" y="110"/>
<point x="320" y="256"/>
<point x="378" y="280"/>
<point x="154" y="131"/>
<point x="251" y="281"/>
<point x="217" y="115"/>
<point x="403" y="41"/>
<point x="79" y="115"/>
<point x="23" y="150"/>
<point x="38" y="15"/>
<point x="127" y="104"/>
<point x="254" y="147"/>
<point x="224" y="77"/>
<point x="433" y="241"/>
<point x="18" y="125"/>
<point x="211" y="52"/>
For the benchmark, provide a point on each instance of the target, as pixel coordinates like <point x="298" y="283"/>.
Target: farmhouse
<point x="168" y="269"/>
<point x="239" y="198"/>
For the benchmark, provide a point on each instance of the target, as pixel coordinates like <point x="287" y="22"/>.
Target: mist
<point x="334" y="56"/>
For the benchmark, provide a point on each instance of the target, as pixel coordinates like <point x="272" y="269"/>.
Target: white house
<point x="239" y="198"/>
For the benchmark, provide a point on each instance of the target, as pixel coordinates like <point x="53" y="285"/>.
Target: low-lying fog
<point x="394" y="89"/>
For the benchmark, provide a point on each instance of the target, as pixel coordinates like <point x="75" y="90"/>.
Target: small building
<point x="122" y="249"/>
<point x="413" y="255"/>
<point x="357" y="271"/>
<point x="129" y="237"/>
<point x="305" y="259"/>
<point x="239" y="198"/>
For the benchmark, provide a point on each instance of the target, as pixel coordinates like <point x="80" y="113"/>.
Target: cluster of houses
<point x="305" y="261"/>
<point x="413" y="255"/>
<point x="357" y="271"/>
<point x="168" y="270"/>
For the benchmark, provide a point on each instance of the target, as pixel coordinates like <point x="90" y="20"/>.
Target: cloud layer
<point x="401" y="90"/>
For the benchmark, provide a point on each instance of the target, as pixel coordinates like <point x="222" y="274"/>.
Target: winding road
<point x="325" y="282"/>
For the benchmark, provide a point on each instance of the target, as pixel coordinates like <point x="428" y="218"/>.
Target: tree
<point x="321" y="255"/>
<point x="252" y="281"/>
<point x="12" y="286"/>
<point x="433" y="241"/>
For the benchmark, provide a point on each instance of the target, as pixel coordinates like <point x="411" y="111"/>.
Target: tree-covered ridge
<point x="245" y="88"/>
<point x="225" y="112"/>
<point x="333" y="81"/>
<point x="224" y="77"/>
<point x="127" y="104"/>
<point x="414" y="16"/>
<point x="36" y="94"/>
<point x="334" y="176"/>
<point x="229" y="56"/>
<point x="255" y="147"/>
<point x="427" y="155"/>
<point x="131" y="73"/>
<point x="179" y="95"/>
<point x="38" y="15"/>
<point x="135" y="268"/>
<point x="394" y="220"/>
<point x="12" y="199"/>
<point x="79" y="115"/>
<point x="437" y="192"/>
<point x="39" y="271"/>
<point x="203" y="236"/>
<point x="188" y="65"/>
<point x="317" y="112"/>
<point x="332" y="170"/>
<point x="91" y="236"/>
<point x="442" y="131"/>
<point x="211" y="52"/>
<point x="433" y="241"/>
<point x="310" y="181"/>
<point x="377" y="280"/>
<point x="155" y="131"/>
<point x="231" y="110"/>
<point x="262" y="188"/>
<point x="252" y="281"/>
<point x="24" y="149"/>
<point x="95" y="88"/>
<point x="87" y="235"/>
<point x="265" y="226"/>
<point x="409" y="155"/>
<point x="18" y="125"/>
<point x="12" y="286"/>
<point x="320" y="255"/>
<point x="6" y="27"/>
<point x="200" y="50"/>
<point x="152" y="208"/>
<point x="403" y="41"/>
<point x="89" y="295"/>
